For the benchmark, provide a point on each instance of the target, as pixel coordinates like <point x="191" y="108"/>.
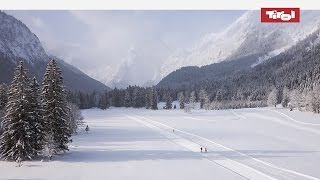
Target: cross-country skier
<point x="87" y="128"/>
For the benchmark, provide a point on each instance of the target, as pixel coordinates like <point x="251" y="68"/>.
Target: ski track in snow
<point x="198" y="119"/>
<point x="240" y="169"/>
<point x="238" y="115"/>
<point x="292" y="119"/>
<point x="292" y="122"/>
<point x="234" y="166"/>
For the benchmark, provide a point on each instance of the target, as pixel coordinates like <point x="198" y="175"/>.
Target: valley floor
<point x="143" y="144"/>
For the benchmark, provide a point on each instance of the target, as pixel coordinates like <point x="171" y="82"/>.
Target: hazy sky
<point x="97" y="40"/>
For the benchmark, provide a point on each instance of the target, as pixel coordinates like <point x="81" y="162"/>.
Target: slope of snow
<point x="244" y="37"/>
<point x="125" y="143"/>
<point x="17" y="41"/>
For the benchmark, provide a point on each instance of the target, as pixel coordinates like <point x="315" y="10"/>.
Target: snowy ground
<point x="140" y="144"/>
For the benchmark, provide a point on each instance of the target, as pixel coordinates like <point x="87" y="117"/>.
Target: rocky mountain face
<point x="18" y="43"/>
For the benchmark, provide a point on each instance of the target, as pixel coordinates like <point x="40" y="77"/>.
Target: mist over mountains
<point x="247" y="36"/>
<point x="18" y="43"/>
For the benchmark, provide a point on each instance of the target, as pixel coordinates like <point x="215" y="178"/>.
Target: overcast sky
<point x="97" y="40"/>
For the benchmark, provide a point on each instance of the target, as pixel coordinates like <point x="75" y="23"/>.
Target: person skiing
<point x="201" y="149"/>
<point x="87" y="128"/>
<point x="205" y="150"/>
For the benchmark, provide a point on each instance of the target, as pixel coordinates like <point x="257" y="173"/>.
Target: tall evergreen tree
<point x="285" y="97"/>
<point x="55" y="107"/>
<point x="154" y="99"/>
<point x="2" y="113"/>
<point x="294" y="99"/>
<point x="203" y="97"/>
<point x="37" y="121"/>
<point x="168" y="101"/>
<point x="102" y="102"/>
<point x="181" y="99"/>
<point x="127" y="98"/>
<point x="16" y="140"/>
<point x="116" y="99"/>
<point x="148" y="98"/>
<point x="136" y="98"/>
<point x="316" y="99"/>
<point x="192" y="99"/>
<point x="302" y="99"/>
<point x="272" y="98"/>
<point x="309" y="100"/>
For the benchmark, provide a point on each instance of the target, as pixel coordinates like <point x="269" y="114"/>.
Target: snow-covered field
<point x="140" y="144"/>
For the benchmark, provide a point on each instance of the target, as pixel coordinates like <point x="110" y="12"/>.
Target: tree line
<point x="36" y="120"/>
<point x="140" y="97"/>
<point x="291" y="79"/>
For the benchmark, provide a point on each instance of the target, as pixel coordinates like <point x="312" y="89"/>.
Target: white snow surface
<point x="126" y="143"/>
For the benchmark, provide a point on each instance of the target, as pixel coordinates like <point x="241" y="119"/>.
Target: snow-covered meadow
<point x="125" y="143"/>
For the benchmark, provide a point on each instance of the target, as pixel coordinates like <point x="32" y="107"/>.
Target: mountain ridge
<point x="18" y="43"/>
<point x="245" y="37"/>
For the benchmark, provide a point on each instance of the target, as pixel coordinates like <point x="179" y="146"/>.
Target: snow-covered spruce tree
<point x="309" y="100"/>
<point x="181" y="99"/>
<point x="137" y="99"/>
<point x="103" y="101"/>
<point x="207" y="102"/>
<point x="302" y="100"/>
<point x="285" y="97"/>
<point x="2" y="113"/>
<point x="148" y="98"/>
<point x="192" y="99"/>
<point x="294" y="99"/>
<point x="127" y="99"/>
<point x="168" y="101"/>
<point x="187" y="108"/>
<point x="55" y="108"/>
<point x="272" y="98"/>
<point x="16" y="141"/>
<point x="37" y="121"/>
<point x="219" y="96"/>
<point x="116" y="98"/>
<point x="316" y="99"/>
<point x="202" y="97"/>
<point x="154" y="99"/>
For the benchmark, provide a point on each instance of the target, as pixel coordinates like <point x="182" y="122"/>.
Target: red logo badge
<point x="280" y="15"/>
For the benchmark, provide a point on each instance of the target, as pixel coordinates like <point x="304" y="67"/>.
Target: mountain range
<point x="18" y="43"/>
<point x="246" y="43"/>
<point x="293" y="75"/>
<point x="246" y="37"/>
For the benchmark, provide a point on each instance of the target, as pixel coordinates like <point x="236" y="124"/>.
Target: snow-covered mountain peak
<point x="246" y="36"/>
<point x="17" y="41"/>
